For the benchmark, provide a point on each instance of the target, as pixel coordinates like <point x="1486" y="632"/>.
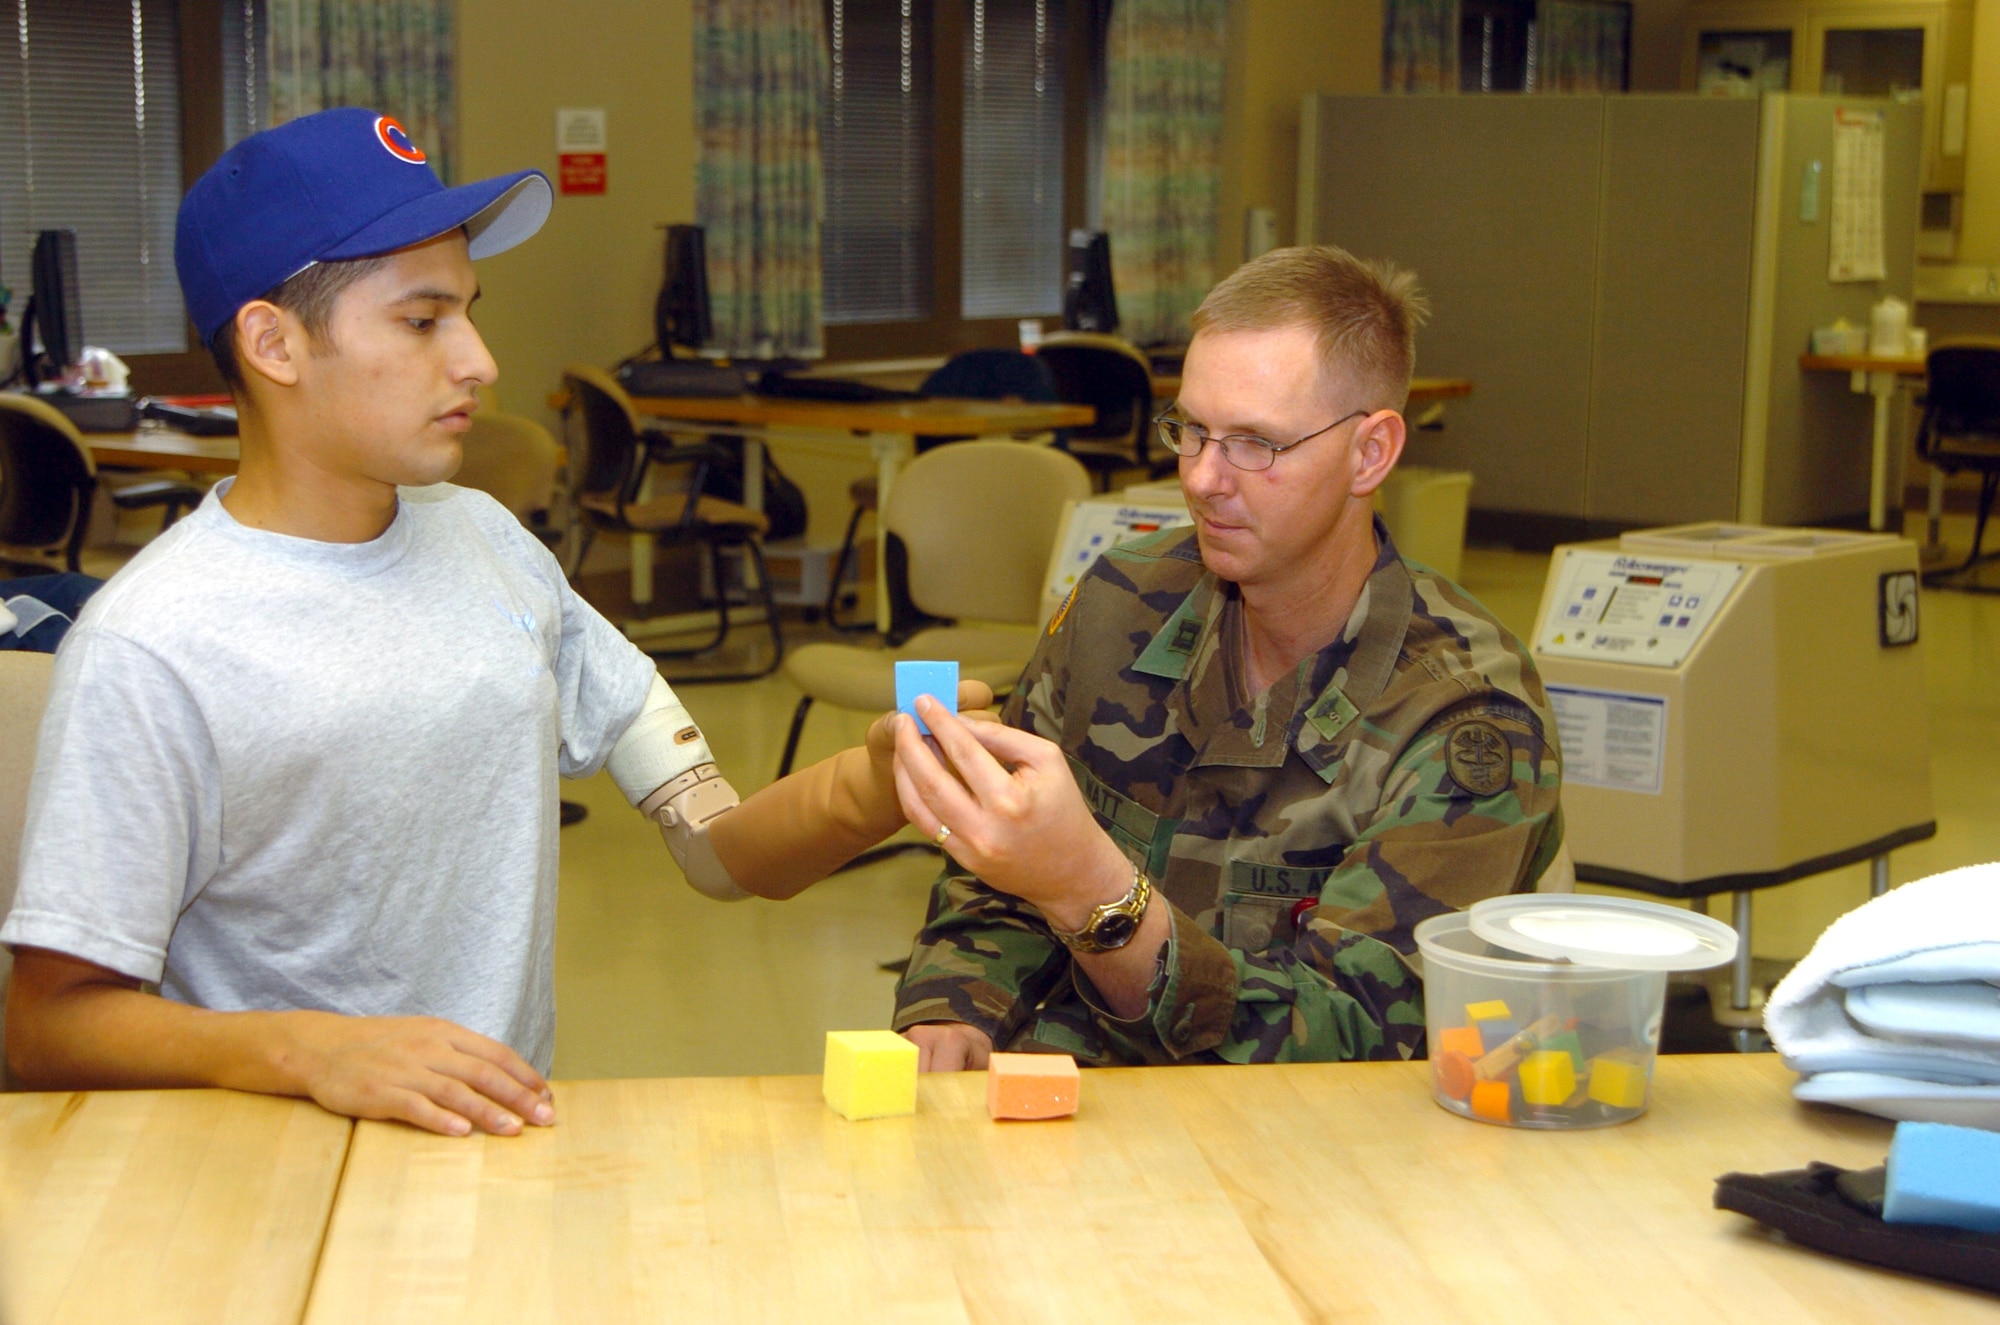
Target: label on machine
<point x="1614" y="607"/>
<point x="1611" y="739"/>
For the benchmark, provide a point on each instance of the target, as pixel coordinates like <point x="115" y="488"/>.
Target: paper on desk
<point x="1856" y="230"/>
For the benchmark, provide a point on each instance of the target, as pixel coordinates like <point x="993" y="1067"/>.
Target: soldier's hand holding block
<point x="1012" y="814"/>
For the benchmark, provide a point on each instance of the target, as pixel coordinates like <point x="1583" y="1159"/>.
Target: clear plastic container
<point x="1527" y="1042"/>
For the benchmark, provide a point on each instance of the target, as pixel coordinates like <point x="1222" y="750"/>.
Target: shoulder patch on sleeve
<point x="1055" y="622"/>
<point x="1478" y="759"/>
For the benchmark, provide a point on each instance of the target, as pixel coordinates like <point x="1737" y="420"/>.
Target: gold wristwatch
<point x="1113" y="924"/>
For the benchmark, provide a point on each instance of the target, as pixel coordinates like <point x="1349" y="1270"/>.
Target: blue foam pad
<point x="1940" y="1174"/>
<point x="939" y="680"/>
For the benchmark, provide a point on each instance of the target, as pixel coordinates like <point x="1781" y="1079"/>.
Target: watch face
<point x="1115" y="931"/>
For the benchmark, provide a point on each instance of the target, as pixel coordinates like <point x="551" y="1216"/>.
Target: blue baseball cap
<point x="341" y="184"/>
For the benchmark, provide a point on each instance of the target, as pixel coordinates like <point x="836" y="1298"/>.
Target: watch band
<point x="1112" y="925"/>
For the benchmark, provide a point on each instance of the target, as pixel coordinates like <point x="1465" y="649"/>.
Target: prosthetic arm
<point x="785" y="837"/>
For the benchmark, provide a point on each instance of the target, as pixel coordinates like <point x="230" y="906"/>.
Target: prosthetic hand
<point x="783" y="839"/>
<point x="663" y="765"/>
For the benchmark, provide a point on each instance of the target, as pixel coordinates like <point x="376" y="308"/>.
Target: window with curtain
<point x="958" y="153"/>
<point x="246" y="70"/>
<point x="1013" y="249"/>
<point x="90" y="141"/>
<point x="875" y="136"/>
<point x="1506" y="45"/>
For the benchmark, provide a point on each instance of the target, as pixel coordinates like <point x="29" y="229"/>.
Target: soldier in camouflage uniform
<point x="1293" y="832"/>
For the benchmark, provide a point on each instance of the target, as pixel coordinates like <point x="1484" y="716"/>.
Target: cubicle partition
<point x="1620" y="276"/>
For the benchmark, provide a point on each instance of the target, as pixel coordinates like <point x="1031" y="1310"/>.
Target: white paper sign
<point x="1611" y="739"/>
<point x="1856" y="232"/>
<point x="580" y="129"/>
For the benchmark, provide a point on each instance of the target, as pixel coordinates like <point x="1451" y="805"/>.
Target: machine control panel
<point x="1648" y="611"/>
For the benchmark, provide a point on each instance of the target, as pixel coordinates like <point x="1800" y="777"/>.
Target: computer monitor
<point x="55" y="310"/>
<point x="1089" y="302"/>
<point x="681" y="315"/>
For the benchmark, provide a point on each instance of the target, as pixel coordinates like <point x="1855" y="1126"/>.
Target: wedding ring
<point x="944" y="831"/>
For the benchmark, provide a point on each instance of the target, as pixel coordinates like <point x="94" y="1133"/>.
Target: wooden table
<point x="889" y="429"/>
<point x="164" y="448"/>
<point x="1294" y="1193"/>
<point x="195" y="1205"/>
<point x="1880" y="376"/>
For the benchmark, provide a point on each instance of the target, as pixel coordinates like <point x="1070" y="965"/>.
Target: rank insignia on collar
<point x="1477" y="756"/>
<point x="1186" y="635"/>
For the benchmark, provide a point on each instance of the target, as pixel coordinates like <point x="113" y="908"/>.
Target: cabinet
<point x="1907" y="49"/>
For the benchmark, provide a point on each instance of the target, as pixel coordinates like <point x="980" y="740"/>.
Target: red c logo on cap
<point x="397" y="139"/>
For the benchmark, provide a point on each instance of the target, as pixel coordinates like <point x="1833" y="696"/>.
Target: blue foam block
<point x="939" y="680"/>
<point x="1940" y="1174"/>
<point x="1496" y="1031"/>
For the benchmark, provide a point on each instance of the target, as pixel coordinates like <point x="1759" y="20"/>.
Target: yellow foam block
<point x="1547" y="1077"/>
<point x="870" y="1074"/>
<point x="1032" y="1085"/>
<point x="1493" y="1009"/>
<point x="1619" y="1080"/>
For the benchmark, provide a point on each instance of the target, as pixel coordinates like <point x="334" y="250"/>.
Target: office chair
<point x="24" y="691"/>
<point x="610" y="479"/>
<point x="1960" y="430"/>
<point x="513" y="460"/>
<point x="48" y="480"/>
<point x="985" y="374"/>
<point x="1114" y="378"/>
<point x="977" y="521"/>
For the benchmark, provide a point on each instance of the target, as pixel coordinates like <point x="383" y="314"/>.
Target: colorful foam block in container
<point x="1941" y="1174"/>
<point x="1493" y="1009"/>
<point x="1569" y="1043"/>
<point x="1493" y="1101"/>
<point x="939" y="680"/>
<point x="870" y="1074"/>
<point x="1454" y="1073"/>
<point x="1460" y="1040"/>
<point x="1027" y="1086"/>
<point x="1548" y="1078"/>
<point x="1618" y="1079"/>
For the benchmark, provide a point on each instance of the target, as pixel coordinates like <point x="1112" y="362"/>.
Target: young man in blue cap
<point x="299" y="763"/>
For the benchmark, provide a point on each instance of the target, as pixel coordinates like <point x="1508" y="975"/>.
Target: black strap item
<point x="1829" y="1209"/>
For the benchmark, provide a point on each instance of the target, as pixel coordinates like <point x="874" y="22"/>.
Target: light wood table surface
<point x="180" y="1205"/>
<point x="1309" y="1192"/>
<point x="163" y="448"/>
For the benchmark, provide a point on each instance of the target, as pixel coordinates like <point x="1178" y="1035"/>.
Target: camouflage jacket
<point x="1408" y="768"/>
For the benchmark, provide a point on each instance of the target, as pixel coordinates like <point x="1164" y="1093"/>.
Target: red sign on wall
<point x="582" y="172"/>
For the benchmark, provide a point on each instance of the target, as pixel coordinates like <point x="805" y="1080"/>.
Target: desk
<point x="889" y="429"/>
<point x="163" y="448"/>
<point x="1878" y="376"/>
<point x="1198" y="1194"/>
<point x="189" y="1205"/>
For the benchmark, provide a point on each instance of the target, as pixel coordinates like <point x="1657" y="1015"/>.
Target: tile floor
<point x="655" y="980"/>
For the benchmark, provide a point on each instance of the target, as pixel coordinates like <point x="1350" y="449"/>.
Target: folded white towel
<point x="1899" y="988"/>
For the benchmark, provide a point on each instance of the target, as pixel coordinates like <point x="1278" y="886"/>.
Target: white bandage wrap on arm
<point x="663" y="765"/>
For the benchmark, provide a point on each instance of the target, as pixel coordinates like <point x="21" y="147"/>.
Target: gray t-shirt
<point x="277" y="773"/>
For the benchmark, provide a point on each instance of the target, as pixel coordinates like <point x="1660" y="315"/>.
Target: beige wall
<point x="1979" y="222"/>
<point x="583" y="288"/>
<point x="1279" y="50"/>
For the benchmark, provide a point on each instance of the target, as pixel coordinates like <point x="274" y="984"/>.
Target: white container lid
<point x="1614" y="933"/>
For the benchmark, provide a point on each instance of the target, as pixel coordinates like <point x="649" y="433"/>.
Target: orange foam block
<point x="1032" y="1085"/>
<point x="1494" y="1101"/>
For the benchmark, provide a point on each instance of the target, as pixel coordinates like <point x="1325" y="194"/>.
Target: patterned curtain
<point x="760" y="70"/>
<point x="1583" y="46"/>
<point x="394" y="56"/>
<point x="1163" y="159"/>
<point x="1420" y="45"/>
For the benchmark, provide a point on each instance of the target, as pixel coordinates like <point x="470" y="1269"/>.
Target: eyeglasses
<point x="1253" y="453"/>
